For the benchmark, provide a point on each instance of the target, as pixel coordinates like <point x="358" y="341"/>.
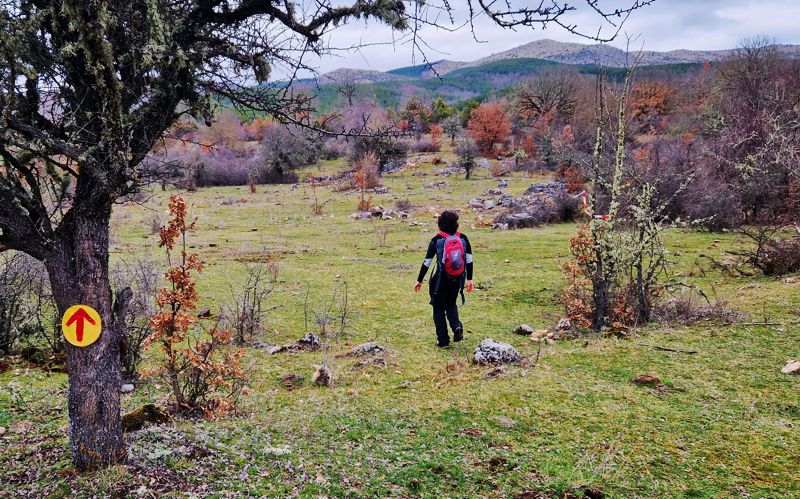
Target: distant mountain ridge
<point x="548" y="50"/>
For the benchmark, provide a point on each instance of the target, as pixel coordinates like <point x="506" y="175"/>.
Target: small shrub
<point x="204" y="373"/>
<point x="467" y="151"/>
<point x="692" y="305"/>
<point x="404" y="205"/>
<point x="367" y="175"/>
<point x="771" y="254"/>
<point x="334" y="149"/>
<point x="24" y="303"/>
<point x="244" y="314"/>
<point x="142" y="276"/>
<point x="425" y="145"/>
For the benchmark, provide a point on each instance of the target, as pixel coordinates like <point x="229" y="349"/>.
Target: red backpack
<point x="451" y="253"/>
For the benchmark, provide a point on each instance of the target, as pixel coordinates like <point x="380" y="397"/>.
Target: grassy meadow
<point x="432" y="424"/>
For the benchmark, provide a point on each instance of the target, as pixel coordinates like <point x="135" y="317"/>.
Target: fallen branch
<point x="755" y="324"/>
<point x="668" y="349"/>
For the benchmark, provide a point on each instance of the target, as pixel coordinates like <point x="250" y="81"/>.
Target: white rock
<point x="495" y="352"/>
<point x="126" y="388"/>
<point x="524" y="329"/>
<point x="791" y="367"/>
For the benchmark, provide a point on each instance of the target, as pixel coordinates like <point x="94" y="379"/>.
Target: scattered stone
<point x="524" y="330"/>
<point x="442" y="184"/>
<point x="393" y="166"/>
<point x="541" y="203"/>
<point x="148" y="413"/>
<point x="291" y="381"/>
<point x="482" y="163"/>
<point x="126" y="388"/>
<point x="791" y="367"/>
<point x="502" y="184"/>
<point x="493" y="352"/>
<point x="369" y="348"/>
<point x="564" y="324"/>
<point x="453" y="170"/>
<point x="2" y="430"/>
<point x="475" y="203"/>
<point x="505" y="200"/>
<point x="380" y="212"/>
<point x="277" y="349"/>
<point x="323" y="376"/>
<point x="493" y="192"/>
<point x="488" y="204"/>
<point x="310" y="342"/>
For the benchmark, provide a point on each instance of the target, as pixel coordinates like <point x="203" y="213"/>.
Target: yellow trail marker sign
<point x="81" y="325"/>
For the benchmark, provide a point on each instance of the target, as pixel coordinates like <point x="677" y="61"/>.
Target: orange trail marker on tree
<point x="81" y="325"/>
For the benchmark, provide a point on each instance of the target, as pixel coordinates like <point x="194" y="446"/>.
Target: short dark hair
<point x="448" y="221"/>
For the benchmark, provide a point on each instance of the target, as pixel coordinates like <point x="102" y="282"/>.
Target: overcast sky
<point x="665" y="25"/>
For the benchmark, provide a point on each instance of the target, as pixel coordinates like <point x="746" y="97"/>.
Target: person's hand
<point x="417" y="286"/>
<point x="470" y="286"/>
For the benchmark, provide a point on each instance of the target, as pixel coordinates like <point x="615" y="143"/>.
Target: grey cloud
<point x="666" y="25"/>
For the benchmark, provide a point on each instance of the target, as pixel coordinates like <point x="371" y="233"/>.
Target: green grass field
<point x="431" y="424"/>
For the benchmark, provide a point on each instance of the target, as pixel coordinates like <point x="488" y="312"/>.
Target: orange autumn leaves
<point x="202" y="370"/>
<point x="489" y="126"/>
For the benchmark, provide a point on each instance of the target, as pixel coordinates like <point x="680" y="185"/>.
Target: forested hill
<point x="396" y="87"/>
<point x="460" y="81"/>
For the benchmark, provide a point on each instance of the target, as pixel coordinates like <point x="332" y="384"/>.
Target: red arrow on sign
<point x="78" y="317"/>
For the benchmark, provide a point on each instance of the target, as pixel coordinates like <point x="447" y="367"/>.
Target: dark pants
<point x="444" y="306"/>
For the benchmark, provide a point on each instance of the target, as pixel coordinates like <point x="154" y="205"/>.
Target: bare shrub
<point x="316" y="206"/>
<point x="244" y="315"/>
<point x="156" y="221"/>
<point x="284" y="149"/>
<point x="142" y="276"/>
<point x="425" y="145"/>
<point x="404" y="205"/>
<point x="692" y="305"/>
<point x="771" y="253"/>
<point x="334" y="149"/>
<point x="26" y="308"/>
<point x="367" y="175"/>
<point x="331" y="321"/>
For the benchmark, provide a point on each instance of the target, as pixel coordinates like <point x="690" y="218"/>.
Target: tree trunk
<point x="78" y="270"/>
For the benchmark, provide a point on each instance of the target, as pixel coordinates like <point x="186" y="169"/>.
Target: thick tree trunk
<point x="78" y="270"/>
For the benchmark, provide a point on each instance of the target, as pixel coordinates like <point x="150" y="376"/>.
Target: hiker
<point x="453" y="271"/>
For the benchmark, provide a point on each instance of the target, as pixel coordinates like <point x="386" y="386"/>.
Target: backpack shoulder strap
<point x="443" y="234"/>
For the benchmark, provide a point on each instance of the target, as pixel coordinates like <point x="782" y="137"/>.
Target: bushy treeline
<point x="731" y="128"/>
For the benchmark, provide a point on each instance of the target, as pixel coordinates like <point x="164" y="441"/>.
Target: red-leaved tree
<point x="489" y="126"/>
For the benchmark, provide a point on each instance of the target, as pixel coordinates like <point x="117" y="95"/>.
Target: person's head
<point x="448" y="221"/>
